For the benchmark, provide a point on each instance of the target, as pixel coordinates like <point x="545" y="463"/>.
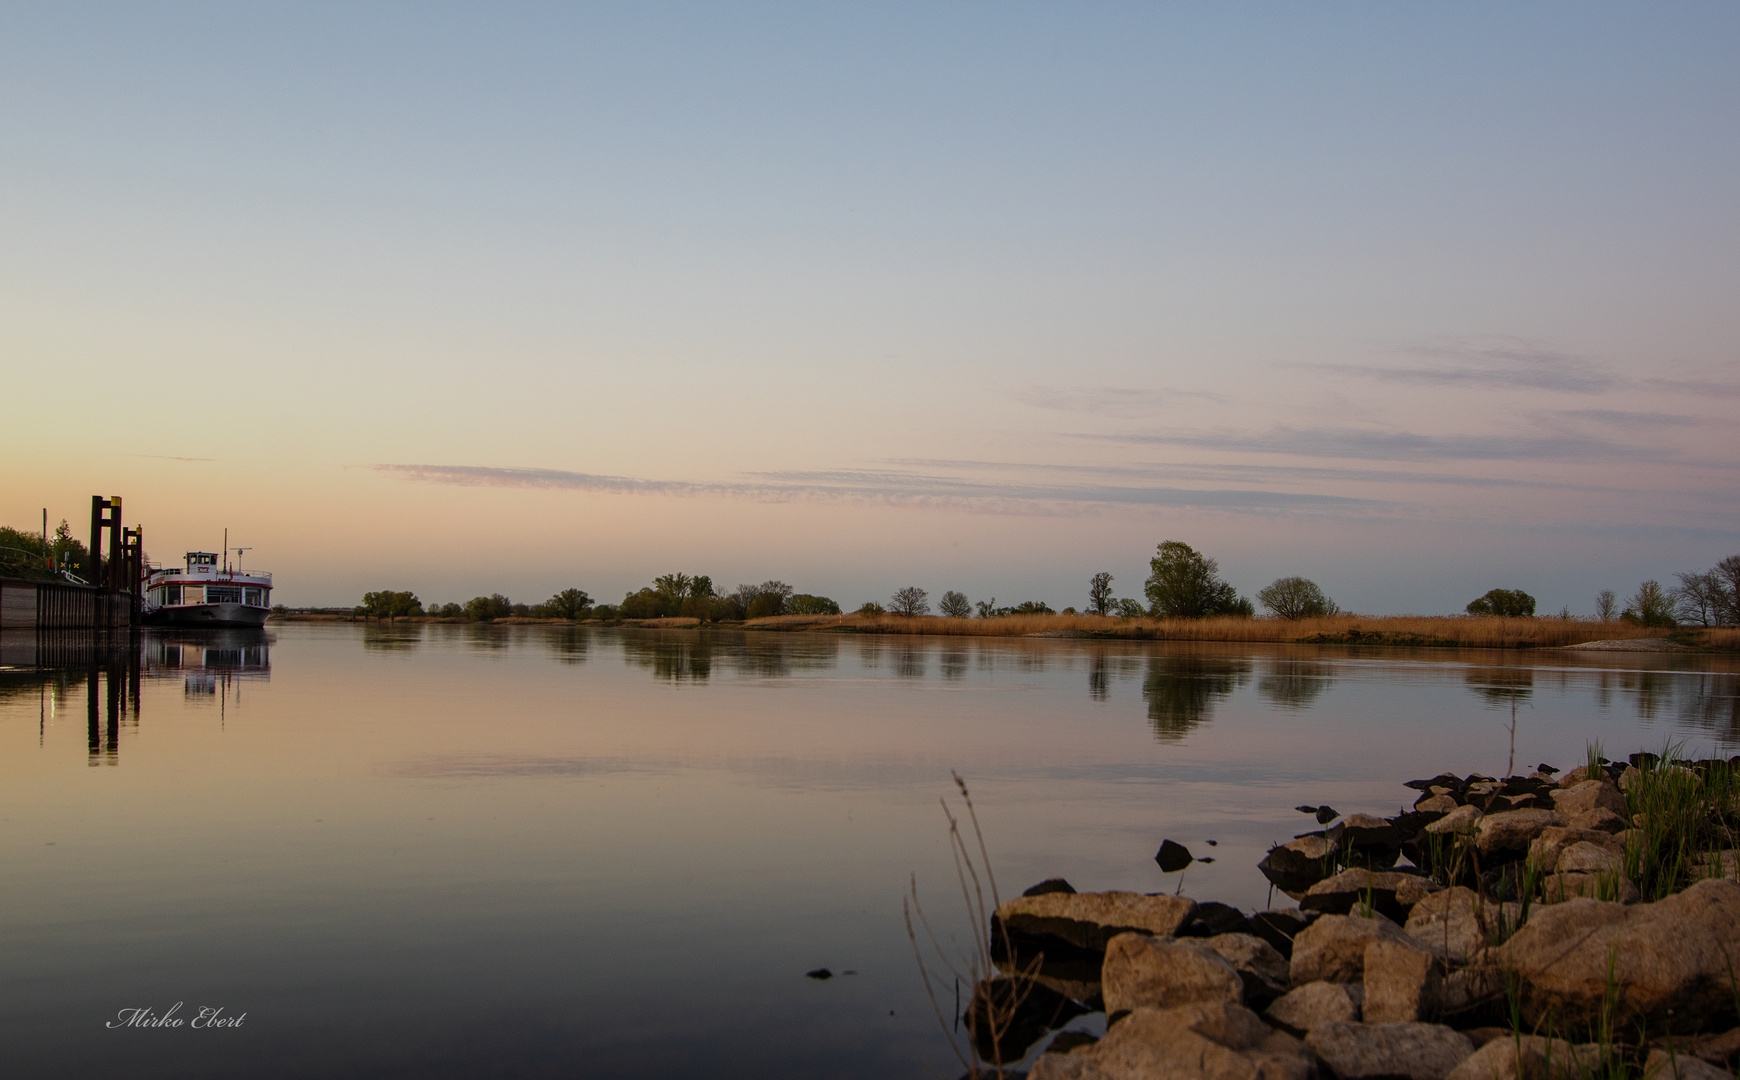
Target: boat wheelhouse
<point x="205" y="594"/>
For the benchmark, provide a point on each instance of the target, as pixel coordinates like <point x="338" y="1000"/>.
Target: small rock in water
<point x="1050" y="885"/>
<point x="1172" y="856"/>
<point x="1324" y="814"/>
<point x="819" y="974"/>
<point x="1212" y="843"/>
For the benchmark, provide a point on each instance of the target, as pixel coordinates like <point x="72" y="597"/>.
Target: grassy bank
<point x="1453" y="631"/>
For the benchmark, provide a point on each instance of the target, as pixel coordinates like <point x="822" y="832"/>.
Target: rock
<point x="1090" y="920"/>
<point x="1333" y="947"/>
<point x="1725" y="864"/>
<point x="1363" y="831"/>
<point x="1172" y="856"/>
<point x="1070" y="1040"/>
<point x="1262" y="969"/>
<point x="1305" y="1007"/>
<point x="1545" y="849"/>
<point x="1717" y="1049"/>
<point x="1163" y="973"/>
<point x="1206" y="1041"/>
<point x="1049" y="886"/>
<point x="1280" y="926"/>
<point x="1589" y="795"/>
<point x="1391" y="893"/>
<point x="1401" y="983"/>
<point x="1511" y="832"/>
<point x="1416" y="1051"/>
<point x="1536" y="1058"/>
<point x="1557" y="888"/>
<point x="1436" y="804"/>
<point x="1469" y="988"/>
<point x="1628" y="777"/>
<point x="1669" y="956"/>
<point x="1026" y="1012"/>
<point x="1662" y="1065"/>
<point x="1480" y="1036"/>
<point x="1584" y="857"/>
<point x="1598" y="820"/>
<point x="1455" y="923"/>
<point x="1298" y="864"/>
<point x="1213" y="917"/>
<point x="1579" y="775"/>
<point x="1463" y="819"/>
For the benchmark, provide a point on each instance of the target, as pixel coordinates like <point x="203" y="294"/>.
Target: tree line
<point x="1182" y="583"/>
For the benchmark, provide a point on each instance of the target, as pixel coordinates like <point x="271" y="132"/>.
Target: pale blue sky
<point x="1413" y="300"/>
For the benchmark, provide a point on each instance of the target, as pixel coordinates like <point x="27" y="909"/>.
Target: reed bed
<point x="1489" y="632"/>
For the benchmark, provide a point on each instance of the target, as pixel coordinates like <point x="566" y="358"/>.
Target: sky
<point x="1413" y="300"/>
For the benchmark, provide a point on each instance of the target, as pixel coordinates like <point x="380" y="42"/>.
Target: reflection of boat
<point x="203" y="594"/>
<point x="236" y="652"/>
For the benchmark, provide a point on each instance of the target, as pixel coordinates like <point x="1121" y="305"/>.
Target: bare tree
<point x="1100" y="594"/>
<point x="1727" y="574"/>
<point x="1606" y="605"/>
<point x="955" y="605"/>
<point x="1698" y="597"/>
<point x="911" y="600"/>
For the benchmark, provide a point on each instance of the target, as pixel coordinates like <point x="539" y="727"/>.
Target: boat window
<point x="172" y="594"/>
<point x="193" y="594"/>
<point x="223" y="594"/>
<point x="251" y="597"/>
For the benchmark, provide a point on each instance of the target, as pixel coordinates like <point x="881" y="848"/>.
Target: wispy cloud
<point x="1502" y="363"/>
<point x="1626" y="419"/>
<point x="882" y="487"/>
<point x="1118" y="402"/>
<point x="1391" y="445"/>
<point x="171" y="457"/>
<point x="1695" y="387"/>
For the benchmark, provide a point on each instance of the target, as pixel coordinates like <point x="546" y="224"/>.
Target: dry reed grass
<point x="1489" y="632"/>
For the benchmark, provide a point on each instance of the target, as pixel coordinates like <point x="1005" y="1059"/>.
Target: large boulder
<point x="1584" y="857"/>
<point x="1090" y="920"/>
<point x="1606" y="885"/>
<point x="1511" y="832"/>
<point x="1665" y="963"/>
<point x="1666" y="1065"/>
<point x="1305" y="1007"/>
<point x="1280" y="926"/>
<point x="1416" y="1051"/>
<point x="1298" y="864"/>
<point x="1164" y="973"/>
<point x="1389" y="892"/>
<point x="1262" y="970"/>
<point x="1589" y="795"/>
<point x="1205" y="1041"/>
<point x="1333" y="947"/>
<point x="1456" y="923"/>
<point x="1530" y="1057"/>
<point x="1545" y="849"/>
<point x="1401" y="983"/>
<point x="1463" y="819"/>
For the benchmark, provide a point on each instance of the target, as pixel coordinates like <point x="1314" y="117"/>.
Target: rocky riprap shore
<point x="1542" y="926"/>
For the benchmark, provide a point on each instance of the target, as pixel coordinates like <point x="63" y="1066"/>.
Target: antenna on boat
<point x="238" y="551"/>
<point x="226" y="550"/>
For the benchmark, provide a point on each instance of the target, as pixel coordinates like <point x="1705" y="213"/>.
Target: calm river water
<point x="528" y="851"/>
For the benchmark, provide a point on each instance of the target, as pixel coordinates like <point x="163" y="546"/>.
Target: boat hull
<point x="207" y="615"/>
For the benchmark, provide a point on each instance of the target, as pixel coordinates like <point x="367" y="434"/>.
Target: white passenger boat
<point x="205" y="594"/>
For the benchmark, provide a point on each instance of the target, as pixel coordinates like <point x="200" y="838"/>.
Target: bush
<point x="1510" y="603"/>
<point x="871" y="608"/>
<point x="1296" y="598"/>
<point x="765" y="605"/>
<point x="645" y="604"/>
<point x="567" y="604"/>
<point x="1651" y="605"/>
<point x="389" y="605"/>
<point x="487" y="608"/>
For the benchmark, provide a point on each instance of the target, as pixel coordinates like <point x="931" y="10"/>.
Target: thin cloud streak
<point x="1515" y="365"/>
<point x="1394" y="445"/>
<point x="1119" y="402"/>
<point x="879" y="487"/>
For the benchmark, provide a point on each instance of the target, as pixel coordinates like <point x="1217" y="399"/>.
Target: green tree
<point x="673" y="587"/>
<point x="390" y="605"/>
<point x="646" y="604"/>
<point x="805" y="604"/>
<point x="955" y="605"/>
<point x="1185" y="584"/>
<point x="871" y="608"/>
<point x="1510" y="603"/>
<point x="488" y="608"/>
<point x="1651" y="605"/>
<point x="1100" y="593"/>
<point x="1128" y="608"/>
<point x="568" y="604"/>
<point x="1296" y="598"/>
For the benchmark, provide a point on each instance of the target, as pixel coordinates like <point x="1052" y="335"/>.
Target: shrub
<point x="486" y="608"/>
<point x="805" y="604"/>
<point x="1651" y="605"/>
<point x="871" y="608"/>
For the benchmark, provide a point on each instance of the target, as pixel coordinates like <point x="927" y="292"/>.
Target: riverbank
<point x="1414" y="631"/>
<point x="1553" y="925"/>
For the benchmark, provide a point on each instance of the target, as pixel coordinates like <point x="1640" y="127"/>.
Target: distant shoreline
<point x="1406" y="631"/>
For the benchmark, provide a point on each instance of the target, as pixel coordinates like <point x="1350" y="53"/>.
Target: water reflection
<point x="1295" y="684"/>
<point x="1182" y="690"/>
<point x="1501" y="688"/>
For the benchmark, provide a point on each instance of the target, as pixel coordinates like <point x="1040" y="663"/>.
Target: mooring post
<point x="94" y="554"/>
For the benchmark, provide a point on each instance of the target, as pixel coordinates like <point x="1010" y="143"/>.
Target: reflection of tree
<point x="1181" y="691"/>
<point x="1502" y="687"/>
<point x="569" y="643"/>
<point x="392" y="638"/>
<point x="1295" y="684"/>
<point x="1099" y="679"/>
<point x="954" y="664"/>
<point x="672" y="658"/>
<point x="909" y="661"/>
<point x="1712" y="704"/>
